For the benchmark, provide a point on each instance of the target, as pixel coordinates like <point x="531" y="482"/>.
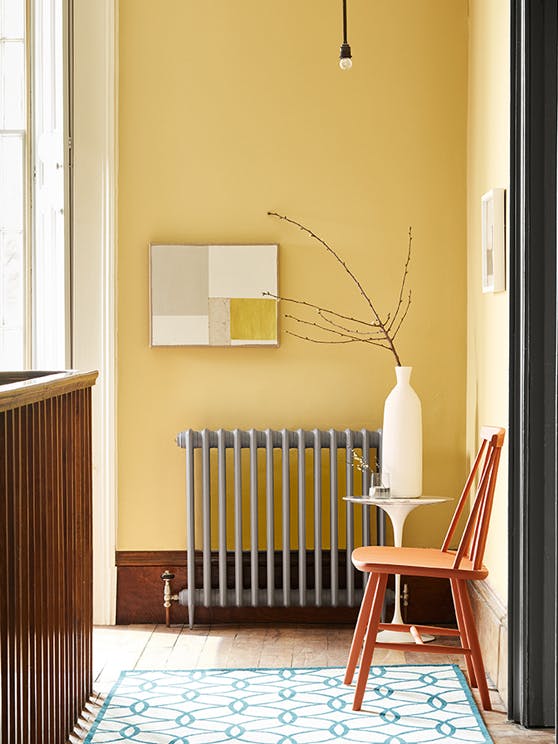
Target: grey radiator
<point x="261" y="485"/>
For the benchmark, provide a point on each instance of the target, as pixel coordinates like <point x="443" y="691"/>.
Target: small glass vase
<point x="379" y="485"/>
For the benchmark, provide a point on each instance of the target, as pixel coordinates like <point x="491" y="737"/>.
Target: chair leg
<point x="463" y="630"/>
<point x="360" y="627"/>
<point x="370" y="641"/>
<point x="474" y="645"/>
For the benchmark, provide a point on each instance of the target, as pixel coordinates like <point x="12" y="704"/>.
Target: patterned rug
<point x="402" y="705"/>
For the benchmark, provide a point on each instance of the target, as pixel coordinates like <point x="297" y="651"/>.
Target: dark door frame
<point x="533" y="367"/>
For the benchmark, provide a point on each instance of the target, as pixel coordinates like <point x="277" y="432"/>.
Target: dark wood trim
<point x="533" y="368"/>
<point x="140" y="592"/>
<point x="162" y="558"/>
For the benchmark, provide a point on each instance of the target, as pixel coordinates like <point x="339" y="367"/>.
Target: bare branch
<point x="319" y="308"/>
<point x="337" y="333"/>
<point x="334" y="254"/>
<point x="403" y="316"/>
<point x="383" y="328"/>
<point x="322" y="314"/>
<point x="324" y="341"/>
<point x="403" y="280"/>
<point x="323" y="328"/>
<point x="318" y="341"/>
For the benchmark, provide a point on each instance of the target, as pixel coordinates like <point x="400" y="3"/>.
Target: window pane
<point x="12" y="85"/>
<point x="49" y="255"/>
<point x="13" y="266"/>
<point x="12" y="19"/>
<point x="12" y="285"/>
<point x="11" y="300"/>
<point x="11" y="182"/>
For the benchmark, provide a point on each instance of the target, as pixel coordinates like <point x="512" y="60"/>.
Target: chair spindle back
<point x="473" y="540"/>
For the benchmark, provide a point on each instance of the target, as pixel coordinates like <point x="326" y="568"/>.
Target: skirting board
<point x="140" y="595"/>
<point x="492" y="625"/>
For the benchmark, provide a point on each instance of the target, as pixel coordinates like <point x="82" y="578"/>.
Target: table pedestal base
<point x="398" y="636"/>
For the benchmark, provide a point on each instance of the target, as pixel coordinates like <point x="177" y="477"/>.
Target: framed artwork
<point x="493" y="241"/>
<point x="213" y="295"/>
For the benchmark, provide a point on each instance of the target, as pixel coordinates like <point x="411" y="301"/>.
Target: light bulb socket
<point x="345" y="51"/>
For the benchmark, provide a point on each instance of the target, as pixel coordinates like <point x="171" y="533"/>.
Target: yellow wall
<point x="230" y="109"/>
<point x="488" y="167"/>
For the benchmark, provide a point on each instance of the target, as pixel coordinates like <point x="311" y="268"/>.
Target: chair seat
<point x="414" y="562"/>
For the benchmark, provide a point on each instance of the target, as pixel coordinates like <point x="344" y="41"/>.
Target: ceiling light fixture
<point x="345" y="58"/>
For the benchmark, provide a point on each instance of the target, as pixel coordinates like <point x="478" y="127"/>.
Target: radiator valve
<point x="168" y="596"/>
<point x="405" y="595"/>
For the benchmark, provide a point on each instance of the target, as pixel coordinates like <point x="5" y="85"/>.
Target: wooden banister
<point x="45" y="554"/>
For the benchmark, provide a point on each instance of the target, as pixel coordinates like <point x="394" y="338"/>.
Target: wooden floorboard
<point x="156" y="647"/>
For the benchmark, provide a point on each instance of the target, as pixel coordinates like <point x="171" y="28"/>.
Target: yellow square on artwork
<point x="253" y="319"/>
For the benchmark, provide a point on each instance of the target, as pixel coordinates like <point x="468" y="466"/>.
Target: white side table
<point x="397" y="510"/>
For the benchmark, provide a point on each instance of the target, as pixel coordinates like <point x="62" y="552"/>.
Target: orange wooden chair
<point x="459" y="566"/>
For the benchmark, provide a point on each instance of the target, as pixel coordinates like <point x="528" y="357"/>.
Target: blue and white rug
<point x="402" y="705"/>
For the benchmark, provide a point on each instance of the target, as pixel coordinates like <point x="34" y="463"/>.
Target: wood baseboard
<point x="140" y="593"/>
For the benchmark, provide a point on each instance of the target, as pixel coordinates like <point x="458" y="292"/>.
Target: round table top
<point x="395" y="501"/>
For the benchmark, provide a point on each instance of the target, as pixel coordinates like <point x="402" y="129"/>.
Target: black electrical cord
<point x="345" y="57"/>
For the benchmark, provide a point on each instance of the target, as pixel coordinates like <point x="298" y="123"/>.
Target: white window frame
<point x="39" y="283"/>
<point x="94" y="183"/>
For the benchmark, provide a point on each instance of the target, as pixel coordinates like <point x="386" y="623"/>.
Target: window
<point x="13" y="147"/>
<point x="34" y="275"/>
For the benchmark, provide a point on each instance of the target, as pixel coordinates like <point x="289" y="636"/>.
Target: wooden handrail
<point x="24" y="388"/>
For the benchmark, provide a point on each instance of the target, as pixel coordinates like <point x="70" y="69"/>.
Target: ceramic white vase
<point x="402" y="438"/>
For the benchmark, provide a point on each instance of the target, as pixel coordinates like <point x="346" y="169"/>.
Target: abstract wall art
<point x="213" y="295"/>
<point x="493" y="221"/>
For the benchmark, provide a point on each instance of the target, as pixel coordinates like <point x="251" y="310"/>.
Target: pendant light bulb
<point x="345" y="57"/>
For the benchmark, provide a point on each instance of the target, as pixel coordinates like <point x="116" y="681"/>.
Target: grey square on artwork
<point x="180" y="275"/>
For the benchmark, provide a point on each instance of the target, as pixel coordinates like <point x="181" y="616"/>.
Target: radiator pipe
<point x="168" y="596"/>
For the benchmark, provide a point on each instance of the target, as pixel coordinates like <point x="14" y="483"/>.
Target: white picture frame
<point x="493" y="260"/>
